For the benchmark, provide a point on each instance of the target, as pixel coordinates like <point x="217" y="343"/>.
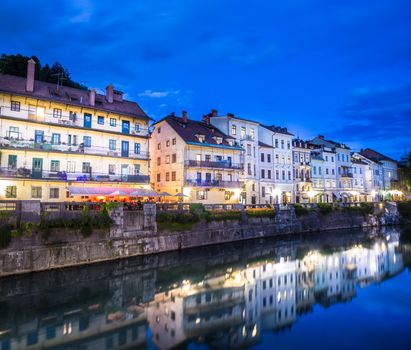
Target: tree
<point x="17" y="65"/>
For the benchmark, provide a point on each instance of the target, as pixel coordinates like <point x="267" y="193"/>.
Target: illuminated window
<point x="15" y="106"/>
<point x="11" y="191"/>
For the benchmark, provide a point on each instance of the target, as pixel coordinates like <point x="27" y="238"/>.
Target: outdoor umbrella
<point x="118" y="193"/>
<point x="164" y="194"/>
<point x="180" y="195"/>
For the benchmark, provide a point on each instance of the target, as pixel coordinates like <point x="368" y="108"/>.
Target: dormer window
<point x="201" y="138"/>
<point x="230" y="142"/>
<point x="218" y="140"/>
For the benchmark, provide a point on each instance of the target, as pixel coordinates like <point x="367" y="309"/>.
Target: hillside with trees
<point x="17" y="65"/>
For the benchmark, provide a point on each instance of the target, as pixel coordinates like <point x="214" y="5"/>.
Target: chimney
<point x="118" y="96"/>
<point x="109" y="93"/>
<point x="321" y="137"/>
<point x="31" y="64"/>
<point x="206" y="119"/>
<point x="92" y="97"/>
<point x="184" y="116"/>
<point x="230" y="115"/>
<point x="214" y="113"/>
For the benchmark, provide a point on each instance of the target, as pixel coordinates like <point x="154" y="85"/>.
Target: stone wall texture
<point x="68" y="248"/>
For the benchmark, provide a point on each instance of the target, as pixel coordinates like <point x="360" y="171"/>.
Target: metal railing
<point x="70" y="119"/>
<point x="214" y="183"/>
<point x="76" y="176"/>
<point x="222" y="164"/>
<point x="47" y="146"/>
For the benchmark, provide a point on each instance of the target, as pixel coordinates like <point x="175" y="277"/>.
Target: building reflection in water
<point x="228" y="308"/>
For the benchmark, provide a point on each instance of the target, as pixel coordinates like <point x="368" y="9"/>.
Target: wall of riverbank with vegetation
<point x="109" y="233"/>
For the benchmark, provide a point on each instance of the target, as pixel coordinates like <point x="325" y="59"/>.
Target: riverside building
<point x="59" y="142"/>
<point x="195" y="161"/>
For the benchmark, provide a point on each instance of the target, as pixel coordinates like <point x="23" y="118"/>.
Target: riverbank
<point x="137" y="234"/>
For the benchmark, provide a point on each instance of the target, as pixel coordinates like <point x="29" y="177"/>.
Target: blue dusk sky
<point x="337" y="68"/>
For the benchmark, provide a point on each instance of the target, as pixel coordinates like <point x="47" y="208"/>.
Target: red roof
<point x="188" y="131"/>
<point x="375" y="156"/>
<point x="77" y="97"/>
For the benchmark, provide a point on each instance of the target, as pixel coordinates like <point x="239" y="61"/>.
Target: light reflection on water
<point x="219" y="297"/>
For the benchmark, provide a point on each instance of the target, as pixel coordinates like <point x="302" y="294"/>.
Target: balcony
<point x="348" y="175"/>
<point x="47" y="146"/>
<point x="71" y="120"/>
<point x="214" y="183"/>
<point x="24" y="173"/>
<point x="247" y="138"/>
<point x="222" y="164"/>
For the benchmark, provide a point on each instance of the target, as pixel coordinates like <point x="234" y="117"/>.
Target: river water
<point x="339" y="290"/>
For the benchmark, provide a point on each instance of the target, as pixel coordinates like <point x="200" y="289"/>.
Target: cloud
<point x="378" y="115"/>
<point x="158" y="94"/>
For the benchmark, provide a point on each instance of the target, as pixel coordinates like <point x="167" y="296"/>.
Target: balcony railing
<point x="222" y="164"/>
<point x="19" y="143"/>
<point x="214" y="183"/>
<point x="76" y="176"/>
<point x="350" y="175"/>
<point x="247" y="138"/>
<point x="73" y="119"/>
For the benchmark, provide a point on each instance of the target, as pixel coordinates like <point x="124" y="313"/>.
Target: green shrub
<point x="5" y="236"/>
<point x="363" y="208"/>
<point x="217" y="215"/>
<point x="325" y="208"/>
<point x="261" y="213"/>
<point x="300" y="210"/>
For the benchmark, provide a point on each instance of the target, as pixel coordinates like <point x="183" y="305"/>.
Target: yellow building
<point x="59" y="143"/>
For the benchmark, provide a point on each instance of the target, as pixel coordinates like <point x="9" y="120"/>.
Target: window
<point x="40" y="111"/>
<point x="15" y="106"/>
<point x="288" y="145"/>
<point x="289" y="175"/>
<point x="167" y="176"/>
<point x="158" y="160"/>
<point x="173" y="176"/>
<point x="282" y="143"/>
<point x="87" y="141"/>
<point x="262" y="157"/>
<point x="263" y="191"/>
<point x="167" y="159"/>
<point x="12" y="164"/>
<point x="249" y="169"/>
<point x="158" y="177"/>
<point x="71" y="166"/>
<point x="54" y="193"/>
<point x="55" y="139"/>
<point x="233" y="129"/>
<point x="276" y="143"/>
<point x="137" y="127"/>
<point x="174" y="158"/>
<point x="174" y="141"/>
<point x="111" y="169"/>
<point x="269" y="174"/>
<point x="277" y="175"/>
<point x="113" y="122"/>
<point x="32" y="109"/>
<point x="11" y="191"/>
<point x="268" y="158"/>
<point x="283" y="175"/>
<point x="262" y="173"/>
<point x="57" y="112"/>
<point x="136" y="148"/>
<point x="201" y="195"/>
<point x="86" y="168"/>
<point x="242" y="132"/>
<point x="55" y="165"/>
<point x="32" y="338"/>
<point x="100" y="120"/>
<point x="252" y="134"/>
<point x="159" y="145"/>
<point x="50" y="332"/>
<point x="248" y="150"/>
<point x="159" y="130"/>
<point x="112" y="145"/>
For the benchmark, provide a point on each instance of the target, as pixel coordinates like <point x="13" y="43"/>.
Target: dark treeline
<point x="17" y="65"/>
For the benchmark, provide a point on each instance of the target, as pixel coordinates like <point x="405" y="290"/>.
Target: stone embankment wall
<point x="135" y="233"/>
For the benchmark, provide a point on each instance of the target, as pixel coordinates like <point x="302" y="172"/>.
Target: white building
<point x="245" y="133"/>
<point x="302" y="170"/>
<point x="197" y="160"/>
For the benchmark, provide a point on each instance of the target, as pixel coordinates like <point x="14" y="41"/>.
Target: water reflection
<point x="222" y="296"/>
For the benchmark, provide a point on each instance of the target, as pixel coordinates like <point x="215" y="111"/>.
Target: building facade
<point x="196" y="161"/>
<point x="59" y="143"/>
